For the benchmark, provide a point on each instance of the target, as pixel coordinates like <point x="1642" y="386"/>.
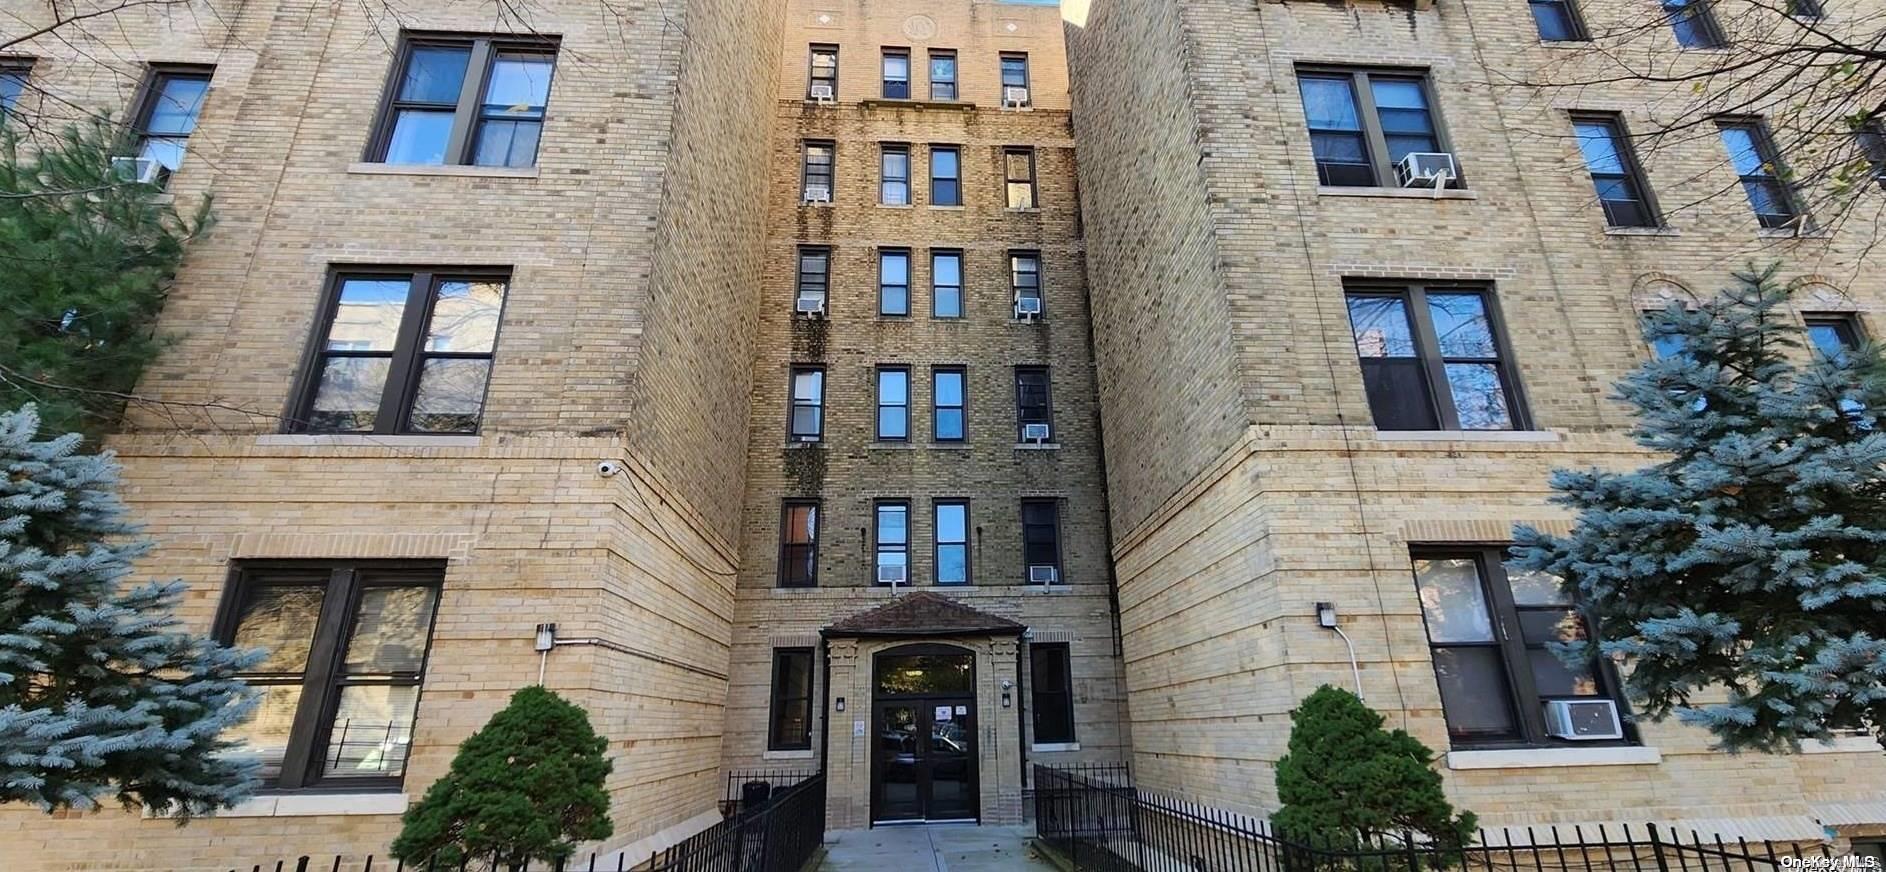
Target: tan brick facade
<point x="1219" y="275"/>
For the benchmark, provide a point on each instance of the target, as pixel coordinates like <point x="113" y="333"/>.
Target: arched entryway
<point x="923" y="724"/>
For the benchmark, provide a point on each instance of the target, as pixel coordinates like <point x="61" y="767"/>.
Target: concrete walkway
<point x="934" y="848"/>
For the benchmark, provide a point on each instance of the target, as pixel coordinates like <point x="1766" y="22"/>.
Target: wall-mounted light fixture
<point x="840" y="704"/>
<point x="546" y="640"/>
<point x="1326" y="618"/>
<point x="1007" y="699"/>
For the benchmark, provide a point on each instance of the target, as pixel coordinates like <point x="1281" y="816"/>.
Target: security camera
<point x="608" y="468"/>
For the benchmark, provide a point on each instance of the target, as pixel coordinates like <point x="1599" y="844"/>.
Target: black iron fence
<point x="780" y="835"/>
<point x="1095" y="818"/>
<point x="741" y="784"/>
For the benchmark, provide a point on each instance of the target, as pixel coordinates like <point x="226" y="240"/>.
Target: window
<point x="1666" y="346"/>
<point x="896" y="74"/>
<point x="1041" y="540"/>
<point x="893" y="403"/>
<point x="1018" y="168"/>
<point x="799" y="543"/>
<point x="946" y="176"/>
<point x="1558" y="21"/>
<point x="947" y="390"/>
<point x="823" y="80"/>
<point x="339" y="686"/>
<point x="894" y="171"/>
<point x="14" y="73"/>
<point x="1015" y="78"/>
<point x="1614" y="171"/>
<point x="1806" y="9"/>
<point x="808" y="404"/>
<point x="466" y="101"/>
<point x="1752" y="153"/>
<point x="1024" y="270"/>
<point x="892" y="541"/>
<point x="952" y="542"/>
<point x="1364" y="122"/>
<point x="1490" y="629"/>
<point x="1432" y="359"/>
<point x="173" y="97"/>
<point x="792" y="700"/>
<point x="1051" y="684"/>
<point x="1873" y="849"/>
<point x="818" y="172"/>
<point x="946" y="284"/>
<point x="402" y="352"/>
<point x="943" y="75"/>
<point x="815" y="264"/>
<point x="1693" y="23"/>
<point x="1872" y="146"/>
<point x="1833" y="335"/>
<point x="894" y="282"/>
<point x="1032" y="401"/>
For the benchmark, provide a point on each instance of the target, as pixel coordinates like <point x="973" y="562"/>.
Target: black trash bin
<point x="754" y="794"/>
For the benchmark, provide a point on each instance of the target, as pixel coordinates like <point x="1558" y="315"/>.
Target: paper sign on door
<point x="942" y="713"/>
<point x="962" y="710"/>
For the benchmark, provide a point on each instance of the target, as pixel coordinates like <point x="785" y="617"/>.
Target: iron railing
<point x="1098" y="821"/>
<point x="780" y="836"/>
<point x="776" y="779"/>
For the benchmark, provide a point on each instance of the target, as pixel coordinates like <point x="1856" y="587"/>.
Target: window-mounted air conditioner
<point x="1036" y="433"/>
<point x="1425" y="169"/>
<point x="1027" y="308"/>
<point x="1014" y="98"/>
<point x="141" y="170"/>
<point x="1583" y="720"/>
<point x="810" y="305"/>
<point x="821" y="93"/>
<point x="893" y="574"/>
<point x="818" y="193"/>
<point x="1043" y="575"/>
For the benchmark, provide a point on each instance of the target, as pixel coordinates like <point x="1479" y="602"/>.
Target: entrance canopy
<point x="923" y="613"/>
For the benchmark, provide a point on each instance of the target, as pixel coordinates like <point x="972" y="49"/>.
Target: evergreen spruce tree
<point x="1743" y="577"/>
<point x="100" y="692"/>
<point x="88" y="260"/>
<point x="527" y="786"/>
<point x="1346" y="780"/>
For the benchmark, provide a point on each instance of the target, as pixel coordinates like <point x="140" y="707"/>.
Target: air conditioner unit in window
<point x="822" y="94"/>
<point x="142" y="170"/>
<point x="1035" y="433"/>
<point x="1421" y="169"/>
<point x="892" y="574"/>
<point x="1583" y="720"/>
<point x="818" y="194"/>
<point x="1014" y="98"/>
<point x="810" y="305"/>
<point x="1027" y="308"/>
<point x="1043" y="575"/>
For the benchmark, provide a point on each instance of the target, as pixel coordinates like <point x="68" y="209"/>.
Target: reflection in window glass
<point x="1453" y="600"/>
<point x="952" y="543"/>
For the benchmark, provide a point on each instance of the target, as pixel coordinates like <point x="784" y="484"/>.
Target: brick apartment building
<point x="750" y="344"/>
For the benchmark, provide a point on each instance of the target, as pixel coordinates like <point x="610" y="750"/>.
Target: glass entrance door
<point x="924" y="760"/>
<point x="896" y="760"/>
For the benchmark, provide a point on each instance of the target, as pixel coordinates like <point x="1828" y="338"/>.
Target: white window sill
<point x="1467" y="436"/>
<point x="1053" y="747"/>
<point x="389" y="441"/>
<point x="1539" y="758"/>
<point x="1060" y="586"/>
<point x="804" y="444"/>
<point x="816" y="204"/>
<point x="1842" y="745"/>
<point x="954" y="445"/>
<point x="947" y="208"/>
<point x="1642" y="231"/>
<point x="888" y="445"/>
<point x="1786" y="233"/>
<point x="1397" y="193"/>
<point x="805" y="754"/>
<point x="1027" y="322"/>
<point x="312" y="804"/>
<point x="384" y="169"/>
<point x="897" y="206"/>
<point x="1037" y="446"/>
<point x="1023" y="209"/>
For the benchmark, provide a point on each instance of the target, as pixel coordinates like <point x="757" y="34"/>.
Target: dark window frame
<point x="884" y="287"/>
<point x="1806" y="10"/>
<point x="1576" y="30"/>
<point x="1053" y="505"/>
<point x="1034" y="413"/>
<point x="877" y="423"/>
<point x="20" y="69"/>
<point x="1375" y="140"/>
<point x="1428" y="351"/>
<point x="962" y="303"/>
<point x="819" y="283"/>
<point x="1063" y="731"/>
<point x="880" y="547"/>
<point x="407" y="357"/>
<point x="777" y="703"/>
<point x="937" y="407"/>
<point x="1010" y="182"/>
<point x="812" y="171"/>
<point x="955" y="182"/>
<point x="813" y="52"/>
<point x="790" y="548"/>
<point x="1775" y="174"/>
<point x="323" y="675"/>
<point x="1524" y="701"/>
<point x="1846" y="326"/>
<point x="1702" y="14"/>
<point x="954" y="81"/>
<point x="1016" y="258"/>
<point x="888" y="84"/>
<point x="151" y="89"/>
<point x="468" y="111"/>
<point x="1633" y="175"/>
<point x="796" y="402"/>
<point x="937" y="542"/>
<point x="885" y="151"/>
<point x="1003" y="60"/>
